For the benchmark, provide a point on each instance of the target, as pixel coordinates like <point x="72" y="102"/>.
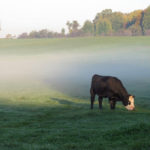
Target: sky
<point x="18" y="16"/>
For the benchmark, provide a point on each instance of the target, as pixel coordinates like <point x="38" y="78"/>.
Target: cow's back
<point x="105" y="86"/>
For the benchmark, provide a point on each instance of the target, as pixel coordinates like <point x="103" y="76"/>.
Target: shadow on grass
<point x="70" y="103"/>
<point x="70" y="124"/>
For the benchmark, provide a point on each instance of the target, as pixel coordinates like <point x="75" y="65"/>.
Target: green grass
<point x="37" y="116"/>
<point x="38" y="46"/>
<point x="46" y="119"/>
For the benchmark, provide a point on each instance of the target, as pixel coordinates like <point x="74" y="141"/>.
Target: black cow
<point x="111" y="88"/>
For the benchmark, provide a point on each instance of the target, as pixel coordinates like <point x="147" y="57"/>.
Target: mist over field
<point x="44" y="94"/>
<point x="69" y="68"/>
<point x="49" y="51"/>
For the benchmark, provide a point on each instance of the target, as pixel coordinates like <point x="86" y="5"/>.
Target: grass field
<point x="44" y="94"/>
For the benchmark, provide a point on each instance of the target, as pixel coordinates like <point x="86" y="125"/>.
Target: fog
<point x="71" y="73"/>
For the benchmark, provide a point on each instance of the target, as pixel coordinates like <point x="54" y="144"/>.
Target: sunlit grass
<point x="38" y="46"/>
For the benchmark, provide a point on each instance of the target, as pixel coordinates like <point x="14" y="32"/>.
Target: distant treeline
<point x="105" y="23"/>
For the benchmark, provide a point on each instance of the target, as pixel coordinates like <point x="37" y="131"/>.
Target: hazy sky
<point x="17" y="16"/>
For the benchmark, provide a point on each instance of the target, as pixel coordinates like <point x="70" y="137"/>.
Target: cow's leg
<point x="92" y="100"/>
<point x="112" y="104"/>
<point x="92" y="97"/>
<point x="100" y="99"/>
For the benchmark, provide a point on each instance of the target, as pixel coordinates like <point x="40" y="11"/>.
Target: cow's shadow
<point x="69" y="103"/>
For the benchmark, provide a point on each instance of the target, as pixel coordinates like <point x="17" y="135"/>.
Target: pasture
<point x="44" y="94"/>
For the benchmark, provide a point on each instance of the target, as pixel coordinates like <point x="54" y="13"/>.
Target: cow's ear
<point x="132" y="96"/>
<point x="129" y="95"/>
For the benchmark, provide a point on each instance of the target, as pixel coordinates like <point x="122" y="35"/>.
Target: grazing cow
<point x="111" y="88"/>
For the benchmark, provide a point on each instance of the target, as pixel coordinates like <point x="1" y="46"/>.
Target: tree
<point x="50" y="34"/>
<point x="106" y="22"/>
<point x="33" y="34"/>
<point x="69" y="26"/>
<point x="88" y="28"/>
<point x="63" y="32"/>
<point x="134" y="18"/>
<point x="43" y="33"/>
<point x="23" y="36"/>
<point x="117" y="21"/>
<point x="9" y="36"/>
<point x="135" y="30"/>
<point x="75" y="26"/>
<point x="146" y="20"/>
<point x="106" y="13"/>
<point x="103" y="27"/>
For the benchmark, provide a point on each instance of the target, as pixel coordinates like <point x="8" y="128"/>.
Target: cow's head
<point x="130" y="105"/>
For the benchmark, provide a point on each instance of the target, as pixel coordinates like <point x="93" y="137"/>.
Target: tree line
<point x="105" y="23"/>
